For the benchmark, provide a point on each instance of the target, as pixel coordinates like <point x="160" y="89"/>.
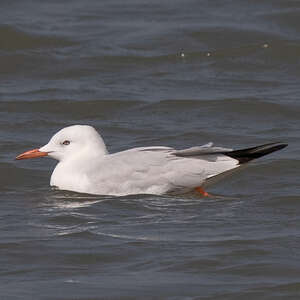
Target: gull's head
<point x="70" y="142"/>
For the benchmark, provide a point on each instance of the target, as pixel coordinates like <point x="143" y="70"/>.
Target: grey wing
<point x="193" y="166"/>
<point x="207" y="149"/>
<point x="208" y="161"/>
<point x="163" y="168"/>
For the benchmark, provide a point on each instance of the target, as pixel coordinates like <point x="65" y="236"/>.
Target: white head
<point x="70" y="142"/>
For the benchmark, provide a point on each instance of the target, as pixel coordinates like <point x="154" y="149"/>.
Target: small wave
<point x="16" y="39"/>
<point x="62" y="200"/>
<point x="78" y="109"/>
<point x="18" y="178"/>
<point x="246" y="106"/>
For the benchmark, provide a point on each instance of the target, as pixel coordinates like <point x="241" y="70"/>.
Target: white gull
<point x="84" y="164"/>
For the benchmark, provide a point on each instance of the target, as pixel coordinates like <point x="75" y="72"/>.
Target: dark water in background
<point x="117" y="66"/>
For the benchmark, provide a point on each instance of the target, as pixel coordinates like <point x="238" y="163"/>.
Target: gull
<point x="85" y="166"/>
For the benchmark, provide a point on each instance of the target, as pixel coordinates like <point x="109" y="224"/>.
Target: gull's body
<point x="86" y="166"/>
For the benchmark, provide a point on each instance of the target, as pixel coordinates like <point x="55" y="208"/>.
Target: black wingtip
<point x="245" y="155"/>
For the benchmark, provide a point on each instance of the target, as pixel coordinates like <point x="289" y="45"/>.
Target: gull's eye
<point x="66" y="143"/>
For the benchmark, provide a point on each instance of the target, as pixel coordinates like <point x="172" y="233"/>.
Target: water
<point x="179" y="74"/>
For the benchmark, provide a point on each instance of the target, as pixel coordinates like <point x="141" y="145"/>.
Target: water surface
<point x="179" y="74"/>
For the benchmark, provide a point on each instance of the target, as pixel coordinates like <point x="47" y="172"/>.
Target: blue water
<point x="180" y="74"/>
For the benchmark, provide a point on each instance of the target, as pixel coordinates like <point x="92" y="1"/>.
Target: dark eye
<point x="66" y="143"/>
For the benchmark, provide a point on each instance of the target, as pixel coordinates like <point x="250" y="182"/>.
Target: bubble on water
<point x="72" y="281"/>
